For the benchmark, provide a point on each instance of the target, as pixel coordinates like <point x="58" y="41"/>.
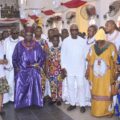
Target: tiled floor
<point x="76" y="115"/>
<point x="34" y="113"/>
<point x="48" y="113"/>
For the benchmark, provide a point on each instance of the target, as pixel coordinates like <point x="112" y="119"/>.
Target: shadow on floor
<point x="34" y="113"/>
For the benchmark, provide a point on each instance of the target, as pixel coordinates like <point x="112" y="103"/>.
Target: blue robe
<point x="28" y="89"/>
<point x="117" y="106"/>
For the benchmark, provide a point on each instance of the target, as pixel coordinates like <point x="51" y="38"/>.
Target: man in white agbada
<point x="113" y="35"/>
<point x="9" y="45"/>
<point x="90" y="40"/>
<point x="73" y="63"/>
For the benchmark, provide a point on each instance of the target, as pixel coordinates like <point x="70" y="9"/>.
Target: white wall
<point x="102" y="7"/>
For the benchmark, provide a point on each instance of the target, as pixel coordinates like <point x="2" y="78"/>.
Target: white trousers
<point x="76" y="90"/>
<point x="87" y="93"/>
<point x="10" y="95"/>
<point x="65" y="91"/>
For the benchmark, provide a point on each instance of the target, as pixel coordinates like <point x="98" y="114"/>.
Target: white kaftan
<point x="89" y="43"/>
<point x="115" y="39"/>
<point x="9" y="45"/>
<point x="73" y="60"/>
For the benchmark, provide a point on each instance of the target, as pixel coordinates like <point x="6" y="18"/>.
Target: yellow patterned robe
<point x="101" y="75"/>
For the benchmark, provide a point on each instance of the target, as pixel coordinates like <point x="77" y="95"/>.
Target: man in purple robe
<point x="28" y="58"/>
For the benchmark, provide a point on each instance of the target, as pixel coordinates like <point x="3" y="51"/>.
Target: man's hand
<point x="87" y="74"/>
<point x="118" y="68"/>
<point x="63" y="73"/>
<point x="3" y="61"/>
<point x="117" y="73"/>
<point x="36" y="65"/>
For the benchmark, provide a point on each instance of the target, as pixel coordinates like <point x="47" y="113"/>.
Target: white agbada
<point x="73" y="60"/>
<point x="114" y="38"/>
<point x="9" y="46"/>
<point x="89" y="43"/>
<point x="2" y="71"/>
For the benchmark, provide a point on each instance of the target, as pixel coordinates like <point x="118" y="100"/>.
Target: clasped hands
<point x="3" y="61"/>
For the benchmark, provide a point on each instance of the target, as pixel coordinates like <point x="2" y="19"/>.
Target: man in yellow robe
<point x="101" y="74"/>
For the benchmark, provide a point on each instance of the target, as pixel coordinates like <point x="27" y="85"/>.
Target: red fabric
<point x="73" y="3"/>
<point x="23" y="21"/>
<point x="48" y="12"/>
<point x="9" y="20"/>
<point x="34" y="17"/>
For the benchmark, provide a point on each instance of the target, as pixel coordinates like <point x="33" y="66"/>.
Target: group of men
<point x="88" y="65"/>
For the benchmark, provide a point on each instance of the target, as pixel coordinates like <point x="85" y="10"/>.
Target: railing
<point x="9" y="13"/>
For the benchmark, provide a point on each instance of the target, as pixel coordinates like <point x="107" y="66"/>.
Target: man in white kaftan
<point x="9" y="45"/>
<point x="73" y="62"/>
<point x="90" y="40"/>
<point x="113" y="36"/>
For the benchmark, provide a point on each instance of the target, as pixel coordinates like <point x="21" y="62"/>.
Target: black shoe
<point x="58" y="103"/>
<point x="82" y="109"/>
<point x="2" y="113"/>
<point x="51" y="102"/>
<point x="46" y="99"/>
<point x="71" y="108"/>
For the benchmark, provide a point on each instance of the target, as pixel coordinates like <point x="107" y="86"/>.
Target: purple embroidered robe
<point x="28" y="89"/>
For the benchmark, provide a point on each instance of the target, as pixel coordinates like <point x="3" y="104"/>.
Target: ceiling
<point x="46" y="5"/>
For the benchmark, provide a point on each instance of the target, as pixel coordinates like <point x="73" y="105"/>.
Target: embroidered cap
<point x="100" y="35"/>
